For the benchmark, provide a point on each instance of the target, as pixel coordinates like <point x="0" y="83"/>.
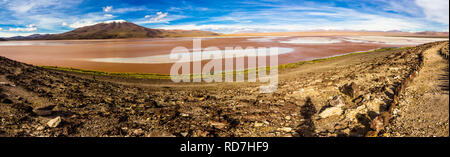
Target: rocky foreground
<point x="355" y="95"/>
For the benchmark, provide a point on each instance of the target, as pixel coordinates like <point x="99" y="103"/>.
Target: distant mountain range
<point x="115" y="30"/>
<point x="122" y="29"/>
<point x="431" y="33"/>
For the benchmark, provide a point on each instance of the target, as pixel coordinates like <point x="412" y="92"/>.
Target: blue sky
<point x="25" y="17"/>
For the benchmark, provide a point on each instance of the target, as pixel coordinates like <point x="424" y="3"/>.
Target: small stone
<point x="367" y="97"/>
<point x="40" y="128"/>
<point x="7" y="84"/>
<point x="287" y="117"/>
<point x="184" y="134"/>
<point x="377" y="123"/>
<point x="337" y="101"/>
<point x="257" y="124"/>
<point x="358" y="100"/>
<point x="346" y="131"/>
<point x="395" y="112"/>
<point x="218" y="125"/>
<point x="54" y="122"/>
<point x="138" y="132"/>
<point x="286" y="129"/>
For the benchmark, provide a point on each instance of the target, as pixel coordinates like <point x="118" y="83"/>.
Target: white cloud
<point x="130" y="9"/>
<point x="7" y="34"/>
<point x="435" y="10"/>
<point x="64" y="24"/>
<point x="108" y="15"/>
<point x="107" y="9"/>
<point x="1" y="29"/>
<point x="88" y="19"/>
<point x="79" y="24"/>
<point x="29" y="28"/>
<point x="159" y="18"/>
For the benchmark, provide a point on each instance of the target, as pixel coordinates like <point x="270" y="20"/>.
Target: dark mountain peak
<point x="124" y="29"/>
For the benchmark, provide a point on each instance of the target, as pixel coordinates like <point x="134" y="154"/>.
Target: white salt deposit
<point x="186" y="57"/>
<point x="393" y="40"/>
<point x="264" y="39"/>
<point x="312" y="40"/>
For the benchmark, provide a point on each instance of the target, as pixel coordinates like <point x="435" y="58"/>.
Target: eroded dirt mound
<point x="339" y="97"/>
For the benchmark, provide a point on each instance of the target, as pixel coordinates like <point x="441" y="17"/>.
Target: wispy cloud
<point x="435" y="10"/>
<point x="159" y="17"/>
<point x="83" y="23"/>
<point x="109" y="15"/>
<point x="29" y="28"/>
<point x="130" y="9"/>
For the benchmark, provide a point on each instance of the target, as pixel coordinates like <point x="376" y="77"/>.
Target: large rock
<point x="332" y="111"/>
<point x="350" y="90"/>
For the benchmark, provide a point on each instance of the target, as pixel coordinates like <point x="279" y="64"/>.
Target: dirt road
<point x="423" y="111"/>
